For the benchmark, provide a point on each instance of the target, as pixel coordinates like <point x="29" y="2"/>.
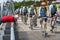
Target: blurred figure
<point x="35" y="17"/>
<point x="25" y="15"/>
<point x="21" y="13"/>
<point x="53" y="15"/>
<point x="31" y="15"/>
<point x="43" y="17"/>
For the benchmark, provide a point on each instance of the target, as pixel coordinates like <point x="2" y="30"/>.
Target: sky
<point x="6" y="0"/>
<point x="13" y="0"/>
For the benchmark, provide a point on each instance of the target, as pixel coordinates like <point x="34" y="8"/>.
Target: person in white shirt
<point x="50" y="7"/>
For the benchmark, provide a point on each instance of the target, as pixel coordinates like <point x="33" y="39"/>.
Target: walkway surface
<point x="25" y="33"/>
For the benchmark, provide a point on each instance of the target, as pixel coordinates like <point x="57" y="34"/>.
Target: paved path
<point x="25" y="33"/>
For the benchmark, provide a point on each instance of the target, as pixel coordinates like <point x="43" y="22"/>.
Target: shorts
<point x="31" y="15"/>
<point x="45" y="19"/>
<point x="53" y="14"/>
<point x="25" y="14"/>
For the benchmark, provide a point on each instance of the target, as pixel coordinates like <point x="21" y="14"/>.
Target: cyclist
<point x="53" y="15"/>
<point x="43" y="17"/>
<point x="25" y="17"/>
<point x="35" y="18"/>
<point x="32" y="13"/>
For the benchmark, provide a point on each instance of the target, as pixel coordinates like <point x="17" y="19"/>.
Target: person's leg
<point x="41" y="22"/>
<point x="51" y="22"/>
<point x="52" y="25"/>
<point x="55" y="18"/>
<point x="34" y="21"/>
<point x="22" y="17"/>
<point x="45" y="27"/>
<point x="26" y="18"/>
<point x="30" y="20"/>
<point x="45" y="24"/>
<point x="31" y="23"/>
<point x="54" y="21"/>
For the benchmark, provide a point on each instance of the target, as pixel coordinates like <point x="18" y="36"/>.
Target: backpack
<point x="32" y="12"/>
<point x="53" y="10"/>
<point x="43" y="11"/>
<point x="25" y="10"/>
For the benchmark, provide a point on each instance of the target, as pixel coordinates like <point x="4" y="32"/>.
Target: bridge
<point x="20" y="31"/>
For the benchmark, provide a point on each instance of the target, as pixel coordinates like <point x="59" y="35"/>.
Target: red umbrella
<point x="8" y="18"/>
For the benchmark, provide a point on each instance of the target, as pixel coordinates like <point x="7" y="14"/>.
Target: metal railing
<point x="12" y="32"/>
<point x="2" y="30"/>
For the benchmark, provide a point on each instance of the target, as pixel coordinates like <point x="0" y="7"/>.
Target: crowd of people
<point x="41" y="13"/>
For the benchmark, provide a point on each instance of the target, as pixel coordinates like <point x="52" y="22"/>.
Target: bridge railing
<point x="12" y="32"/>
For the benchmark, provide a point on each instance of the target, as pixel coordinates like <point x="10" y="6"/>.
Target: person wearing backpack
<point x="42" y="14"/>
<point x="35" y="17"/>
<point x="43" y="19"/>
<point x="21" y="13"/>
<point x="32" y="13"/>
<point x="53" y="16"/>
<point x="25" y="13"/>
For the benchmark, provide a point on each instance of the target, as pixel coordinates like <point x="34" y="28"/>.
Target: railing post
<point x="12" y="32"/>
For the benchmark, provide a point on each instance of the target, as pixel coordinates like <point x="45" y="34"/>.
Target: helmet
<point x="43" y="3"/>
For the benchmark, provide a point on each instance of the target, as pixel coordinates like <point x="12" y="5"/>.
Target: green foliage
<point x="18" y="4"/>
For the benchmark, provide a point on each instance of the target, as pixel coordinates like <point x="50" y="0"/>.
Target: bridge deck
<point x="23" y="32"/>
